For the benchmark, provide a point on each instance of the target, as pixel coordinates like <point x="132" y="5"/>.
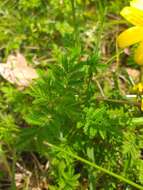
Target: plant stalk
<point x="121" y="178"/>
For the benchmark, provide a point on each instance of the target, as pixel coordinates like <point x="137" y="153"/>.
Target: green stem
<point x="121" y="178"/>
<point x="74" y="20"/>
<point x="138" y="121"/>
<point x="73" y="11"/>
<point x="141" y="74"/>
<point x="114" y="57"/>
<point x="13" y="171"/>
<point x="91" y="171"/>
<point x="6" y="165"/>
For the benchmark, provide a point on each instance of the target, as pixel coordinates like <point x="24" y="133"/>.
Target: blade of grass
<point x="114" y="57"/>
<point x="119" y="177"/>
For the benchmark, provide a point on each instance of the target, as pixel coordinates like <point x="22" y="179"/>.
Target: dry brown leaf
<point x="17" y="71"/>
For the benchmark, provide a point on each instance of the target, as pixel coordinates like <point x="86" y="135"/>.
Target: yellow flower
<point x="138" y="88"/>
<point x="134" y="15"/>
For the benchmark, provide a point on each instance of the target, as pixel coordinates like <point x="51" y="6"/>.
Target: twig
<point x="131" y="103"/>
<point x="100" y="88"/>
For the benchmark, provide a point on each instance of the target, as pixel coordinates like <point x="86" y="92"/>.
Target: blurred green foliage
<point x="64" y="40"/>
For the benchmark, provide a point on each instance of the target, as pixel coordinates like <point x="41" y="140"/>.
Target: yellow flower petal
<point x="133" y="15"/>
<point x="139" y="54"/>
<point x="138" y="4"/>
<point x="130" y="36"/>
<point x="138" y="87"/>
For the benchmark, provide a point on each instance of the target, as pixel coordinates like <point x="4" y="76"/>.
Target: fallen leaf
<point x="17" y="71"/>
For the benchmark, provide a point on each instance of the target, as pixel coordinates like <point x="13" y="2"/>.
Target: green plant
<point x="90" y="140"/>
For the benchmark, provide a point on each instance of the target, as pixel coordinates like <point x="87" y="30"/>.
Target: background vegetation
<point x="77" y="106"/>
